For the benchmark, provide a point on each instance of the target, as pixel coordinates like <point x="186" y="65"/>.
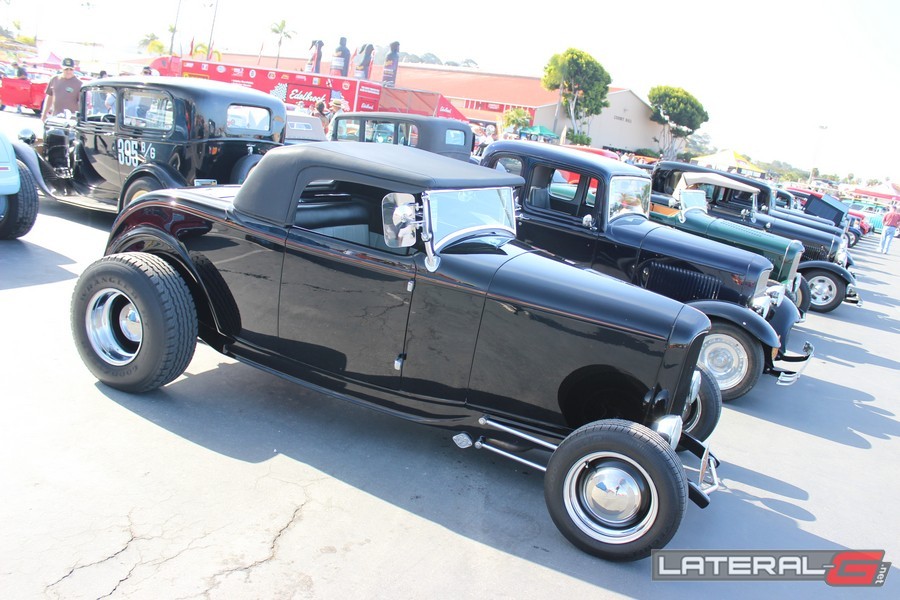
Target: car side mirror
<point x="27" y="136"/>
<point x="748" y="214"/>
<point x="399" y="219"/>
<point x="588" y="222"/>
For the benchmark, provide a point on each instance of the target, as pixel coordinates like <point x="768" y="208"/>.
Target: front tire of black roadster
<point x="616" y="490"/>
<point x="701" y="416"/>
<point x="133" y="321"/>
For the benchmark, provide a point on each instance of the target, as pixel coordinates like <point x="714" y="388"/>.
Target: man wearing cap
<point x="62" y="91"/>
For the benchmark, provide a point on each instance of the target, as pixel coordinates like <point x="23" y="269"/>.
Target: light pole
<point x="211" y="28"/>
<point x="174" y="28"/>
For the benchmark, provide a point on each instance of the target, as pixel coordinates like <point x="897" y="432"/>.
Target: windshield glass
<point x="456" y="212"/>
<point x="629" y="195"/>
<point x="693" y="200"/>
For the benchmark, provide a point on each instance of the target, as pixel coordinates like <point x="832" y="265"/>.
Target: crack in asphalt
<point x="273" y="550"/>
<point x="132" y="538"/>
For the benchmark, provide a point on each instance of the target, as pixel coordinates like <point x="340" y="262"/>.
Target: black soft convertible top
<point x="275" y="184"/>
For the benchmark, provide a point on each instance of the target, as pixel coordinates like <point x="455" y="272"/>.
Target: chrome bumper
<point x="852" y="296"/>
<point x="707" y="479"/>
<point x="786" y="377"/>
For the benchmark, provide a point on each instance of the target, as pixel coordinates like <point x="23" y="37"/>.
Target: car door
<point x="345" y="303"/>
<point x="146" y="123"/>
<point x="549" y="210"/>
<point x="97" y="134"/>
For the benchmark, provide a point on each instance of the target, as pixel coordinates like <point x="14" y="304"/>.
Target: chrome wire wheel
<point x="726" y="359"/>
<point x="114" y="326"/>
<point x="610" y="498"/>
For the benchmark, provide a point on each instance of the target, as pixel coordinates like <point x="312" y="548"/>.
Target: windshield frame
<point x="432" y="201"/>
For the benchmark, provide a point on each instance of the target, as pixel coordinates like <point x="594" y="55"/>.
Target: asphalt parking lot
<point x="231" y="483"/>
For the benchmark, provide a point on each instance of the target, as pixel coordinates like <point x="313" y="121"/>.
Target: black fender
<point x="198" y="275"/>
<point x="741" y="316"/>
<point x="782" y="318"/>
<point x="850" y="261"/>
<point x="164" y="174"/>
<point x="32" y="160"/>
<point x="824" y="265"/>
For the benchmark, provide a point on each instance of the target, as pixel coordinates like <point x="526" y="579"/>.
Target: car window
<point x="380" y="132"/>
<point x="455" y="137"/>
<point x="628" y="195"/>
<point x="347" y="129"/>
<point x="99" y="102"/>
<point x="240" y="119"/>
<point x="409" y="134"/>
<point x="147" y="109"/>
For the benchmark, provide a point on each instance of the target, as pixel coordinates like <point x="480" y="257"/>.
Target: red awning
<point x="418" y="102"/>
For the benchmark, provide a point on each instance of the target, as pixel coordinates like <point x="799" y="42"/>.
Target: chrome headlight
<point x="841" y="256"/>
<point x="761" y="301"/>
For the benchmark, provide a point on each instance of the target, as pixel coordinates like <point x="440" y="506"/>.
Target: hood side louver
<point x="680" y="284"/>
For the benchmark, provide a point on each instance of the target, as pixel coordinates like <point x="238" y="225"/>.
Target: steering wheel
<point x="108" y="118"/>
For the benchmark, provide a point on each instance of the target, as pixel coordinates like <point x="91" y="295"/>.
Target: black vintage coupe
<point x="132" y="135"/>
<point x="391" y="277"/>
<point x="595" y="212"/>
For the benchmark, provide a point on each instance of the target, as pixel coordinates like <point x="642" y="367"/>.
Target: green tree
<point x="517" y="118"/>
<point x="582" y="82"/>
<point x="679" y="113"/>
<point x="281" y="30"/>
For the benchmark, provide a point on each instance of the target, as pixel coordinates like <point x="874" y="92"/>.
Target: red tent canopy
<point x="48" y="61"/>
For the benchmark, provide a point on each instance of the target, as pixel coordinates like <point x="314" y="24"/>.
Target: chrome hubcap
<point x="114" y="327"/>
<point x="610" y="497"/>
<point x="725" y="358"/>
<point x="822" y="290"/>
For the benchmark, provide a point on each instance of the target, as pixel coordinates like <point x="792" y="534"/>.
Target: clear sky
<point x="811" y="83"/>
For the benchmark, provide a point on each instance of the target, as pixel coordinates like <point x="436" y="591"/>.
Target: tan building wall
<point x="625" y="124"/>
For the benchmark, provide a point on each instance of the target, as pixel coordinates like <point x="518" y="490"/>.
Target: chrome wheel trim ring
<point x="114" y="327"/>
<point x="726" y="360"/>
<point x="613" y="515"/>
<point x="693" y="410"/>
<point x="822" y="290"/>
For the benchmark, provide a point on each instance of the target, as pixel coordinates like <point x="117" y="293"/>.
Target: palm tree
<point x="147" y="40"/>
<point x="201" y="51"/>
<point x="280" y="29"/>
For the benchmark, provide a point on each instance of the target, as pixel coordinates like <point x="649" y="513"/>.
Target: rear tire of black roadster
<point x="733" y="358"/>
<point x="701" y="417"/>
<point x="20" y="211"/>
<point x="134" y="321"/>
<point x="138" y="188"/>
<point x="616" y="490"/>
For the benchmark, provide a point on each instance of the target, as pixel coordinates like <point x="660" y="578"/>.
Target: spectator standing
<point x="20" y="73"/>
<point x="323" y="116"/>
<point x="62" y="91"/>
<point x="890" y="224"/>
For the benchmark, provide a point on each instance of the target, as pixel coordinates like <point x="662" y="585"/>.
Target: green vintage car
<point x="686" y="209"/>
